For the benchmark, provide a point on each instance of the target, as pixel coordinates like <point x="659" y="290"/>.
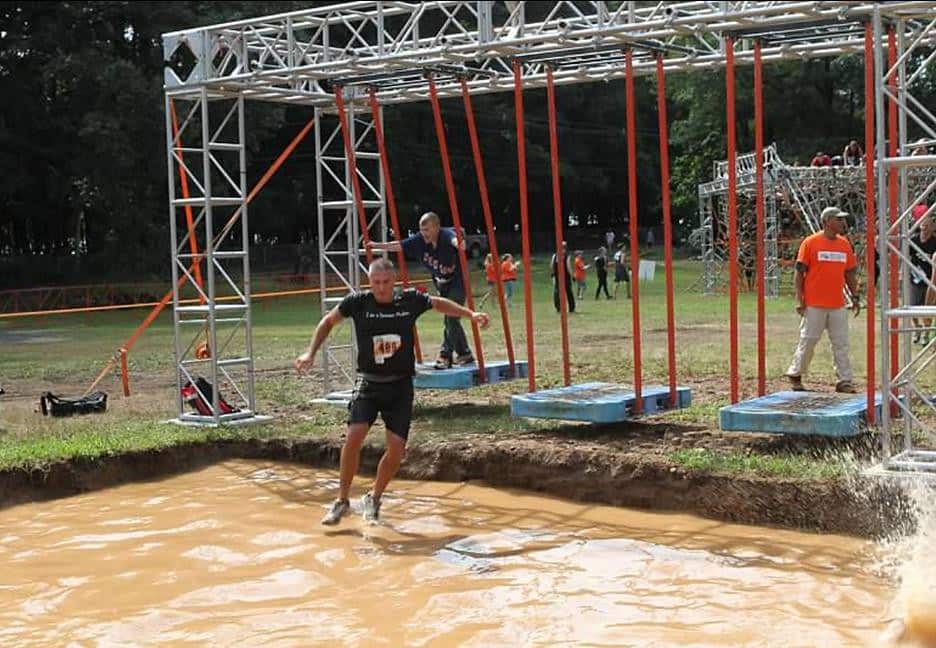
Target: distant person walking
<point x="621" y="273"/>
<point x="601" y="269"/>
<point x="609" y="239"/>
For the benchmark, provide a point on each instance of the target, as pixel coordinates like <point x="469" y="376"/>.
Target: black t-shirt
<point x="601" y="265"/>
<point x="923" y="261"/>
<point x="384" y="332"/>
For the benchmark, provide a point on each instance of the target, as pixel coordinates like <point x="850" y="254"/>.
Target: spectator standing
<point x="825" y="264"/>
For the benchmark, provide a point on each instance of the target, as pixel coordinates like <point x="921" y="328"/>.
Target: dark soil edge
<point x="859" y="507"/>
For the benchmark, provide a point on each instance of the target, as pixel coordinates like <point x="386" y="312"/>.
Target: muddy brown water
<point x="234" y="554"/>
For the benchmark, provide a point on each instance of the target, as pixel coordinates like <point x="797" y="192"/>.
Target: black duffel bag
<point x="53" y="405"/>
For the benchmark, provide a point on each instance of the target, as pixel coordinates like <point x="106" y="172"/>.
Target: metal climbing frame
<point x="900" y="65"/>
<point x="297" y="57"/>
<point x="713" y="221"/>
<point x="207" y="187"/>
<point x="340" y="239"/>
<point x="794" y="198"/>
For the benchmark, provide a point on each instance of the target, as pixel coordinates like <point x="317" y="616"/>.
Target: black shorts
<point x="392" y="400"/>
<point x="620" y="274"/>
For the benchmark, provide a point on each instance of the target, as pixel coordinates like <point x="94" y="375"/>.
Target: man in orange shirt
<point x="824" y="266"/>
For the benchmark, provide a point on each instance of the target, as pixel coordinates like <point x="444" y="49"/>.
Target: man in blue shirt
<point x="437" y="248"/>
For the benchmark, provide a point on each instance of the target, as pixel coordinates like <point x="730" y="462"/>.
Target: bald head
<point x="430" y="217"/>
<point x="429" y="226"/>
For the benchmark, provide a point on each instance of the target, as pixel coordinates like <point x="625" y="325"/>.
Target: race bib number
<point x="832" y="257"/>
<point x="385" y="346"/>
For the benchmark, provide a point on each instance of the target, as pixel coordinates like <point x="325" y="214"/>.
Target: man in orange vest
<point x="824" y="266"/>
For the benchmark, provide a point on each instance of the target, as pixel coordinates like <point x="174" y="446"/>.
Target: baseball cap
<point x="832" y="212"/>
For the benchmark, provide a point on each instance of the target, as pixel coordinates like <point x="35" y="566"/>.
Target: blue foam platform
<point x="466" y="376"/>
<point x="807" y="413"/>
<point x="595" y="402"/>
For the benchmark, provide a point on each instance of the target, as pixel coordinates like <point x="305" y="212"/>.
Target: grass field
<point x="65" y="353"/>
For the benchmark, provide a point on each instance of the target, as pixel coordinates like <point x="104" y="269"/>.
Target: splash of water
<point x="912" y="562"/>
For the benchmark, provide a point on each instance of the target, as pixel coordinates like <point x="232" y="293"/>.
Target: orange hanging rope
<point x="667" y="229"/>
<point x="489" y="223"/>
<point x="183" y="180"/>
<point x="391" y="204"/>
<point x="456" y="219"/>
<point x="557" y="217"/>
<point x="524" y="226"/>
<point x="633" y="216"/>
<point x="352" y="170"/>
<point x="732" y="220"/>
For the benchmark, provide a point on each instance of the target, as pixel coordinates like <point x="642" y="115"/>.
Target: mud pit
<point x="234" y="553"/>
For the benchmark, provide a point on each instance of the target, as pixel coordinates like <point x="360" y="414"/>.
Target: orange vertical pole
<point x="761" y="225"/>
<point x="524" y="226"/>
<point x="391" y="203"/>
<point x="732" y="219"/>
<point x="488" y="222"/>
<point x="456" y="219"/>
<point x="189" y="221"/>
<point x="557" y="213"/>
<point x="124" y="373"/>
<point x="352" y="171"/>
<point x="633" y="215"/>
<point x="667" y="228"/>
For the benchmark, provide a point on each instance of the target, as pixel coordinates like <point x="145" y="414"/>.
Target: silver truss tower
<point x="297" y="57"/>
<point x="207" y="204"/>
<point x="713" y="221"/>
<point x="340" y="240"/>
<point x="907" y="388"/>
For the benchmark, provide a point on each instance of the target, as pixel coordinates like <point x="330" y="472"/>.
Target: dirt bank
<point x="859" y="507"/>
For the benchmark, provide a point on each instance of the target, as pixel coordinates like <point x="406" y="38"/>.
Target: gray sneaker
<point x="338" y="510"/>
<point x="370" y="508"/>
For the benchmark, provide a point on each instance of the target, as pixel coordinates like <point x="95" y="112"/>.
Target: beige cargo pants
<point x="814" y="322"/>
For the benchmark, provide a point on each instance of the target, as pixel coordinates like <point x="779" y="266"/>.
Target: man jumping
<point x="383" y="328"/>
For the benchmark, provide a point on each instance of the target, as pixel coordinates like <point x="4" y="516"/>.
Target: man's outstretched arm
<point x="450" y="308"/>
<point x="389" y="246"/>
<point x="325" y="326"/>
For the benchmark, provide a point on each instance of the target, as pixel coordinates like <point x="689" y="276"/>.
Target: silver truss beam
<point x="293" y="57"/>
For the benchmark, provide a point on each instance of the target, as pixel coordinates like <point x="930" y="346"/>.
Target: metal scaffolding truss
<point x="294" y="57"/>
<point x="207" y="187"/>
<point x="391" y="46"/>
<point x="907" y="371"/>
<point x="713" y="219"/>
<point x="340" y="239"/>
<point x="794" y="198"/>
